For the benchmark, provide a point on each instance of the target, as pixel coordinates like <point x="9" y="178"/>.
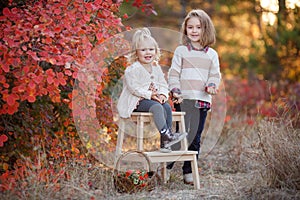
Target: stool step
<point x="172" y="153"/>
<point x="156" y="156"/>
<point x="159" y="157"/>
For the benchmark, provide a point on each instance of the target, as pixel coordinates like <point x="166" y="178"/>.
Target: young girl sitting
<point x="145" y="88"/>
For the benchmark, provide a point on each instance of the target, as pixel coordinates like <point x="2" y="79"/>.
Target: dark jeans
<point x="177" y="108"/>
<point x="162" y="113"/>
<point x="194" y="122"/>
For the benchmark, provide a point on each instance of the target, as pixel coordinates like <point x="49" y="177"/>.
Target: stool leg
<point x="164" y="172"/>
<point x="140" y="132"/>
<point x="184" y="143"/>
<point x="195" y="173"/>
<point x="120" y="139"/>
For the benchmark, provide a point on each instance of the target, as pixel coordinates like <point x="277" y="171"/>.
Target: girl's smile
<point x="148" y="58"/>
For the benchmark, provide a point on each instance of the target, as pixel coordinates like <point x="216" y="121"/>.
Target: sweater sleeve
<point x="175" y="70"/>
<point x="214" y="72"/>
<point x="163" y="85"/>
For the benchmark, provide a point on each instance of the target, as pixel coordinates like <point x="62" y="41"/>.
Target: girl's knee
<point x="167" y="107"/>
<point x="156" y="108"/>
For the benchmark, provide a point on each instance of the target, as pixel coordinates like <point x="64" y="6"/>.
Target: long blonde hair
<point x="208" y="36"/>
<point x="139" y="36"/>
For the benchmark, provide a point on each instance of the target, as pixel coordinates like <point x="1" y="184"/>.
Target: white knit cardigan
<point x="136" y="82"/>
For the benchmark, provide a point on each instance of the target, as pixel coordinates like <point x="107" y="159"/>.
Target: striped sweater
<point x="192" y="70"/>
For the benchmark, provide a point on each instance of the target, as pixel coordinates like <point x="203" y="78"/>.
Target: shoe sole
<point x="164" y="150"/>
<point x="175" y="141"/>
<point x="188" y="183"/>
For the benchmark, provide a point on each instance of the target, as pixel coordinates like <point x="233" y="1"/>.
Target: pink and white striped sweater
<point x="192" y="70"/>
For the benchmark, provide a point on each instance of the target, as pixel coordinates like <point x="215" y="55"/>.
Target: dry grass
<point x="250" y="162"/>
<point x="280" y="144"/>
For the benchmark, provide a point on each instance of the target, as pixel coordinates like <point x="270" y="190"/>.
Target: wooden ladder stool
<point x="140" y="118"/>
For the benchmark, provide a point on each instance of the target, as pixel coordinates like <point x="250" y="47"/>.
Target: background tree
<point x="258" y="59"/>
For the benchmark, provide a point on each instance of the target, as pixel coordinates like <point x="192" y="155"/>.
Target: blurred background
<point x="258" y="42"/>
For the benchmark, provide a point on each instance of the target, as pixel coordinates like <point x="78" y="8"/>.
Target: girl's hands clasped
<point x="163" y="98"/>
<point x="176" y="98"/>
<point x="175" y="95"/>
<point x="158" y="97"/>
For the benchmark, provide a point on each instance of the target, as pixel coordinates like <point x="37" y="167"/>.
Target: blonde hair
<point x="208" y="35"/>
<point x="139" y="36"/>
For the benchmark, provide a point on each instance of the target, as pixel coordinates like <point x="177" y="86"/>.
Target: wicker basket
<point x="124" y="183"/>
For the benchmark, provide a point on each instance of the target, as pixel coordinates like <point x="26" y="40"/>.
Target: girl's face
<point x="146" y="52"/>
<point x="193" y="29"/>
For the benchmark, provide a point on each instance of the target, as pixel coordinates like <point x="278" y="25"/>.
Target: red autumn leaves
<point x="3" y="138"/>
<point x="56" y="33"/>
<point x="39" y="43"/>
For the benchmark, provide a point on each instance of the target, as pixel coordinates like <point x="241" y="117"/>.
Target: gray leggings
<point x="162" y="113"/>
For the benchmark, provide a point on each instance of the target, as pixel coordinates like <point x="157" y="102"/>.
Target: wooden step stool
<point x="140" y="118"/>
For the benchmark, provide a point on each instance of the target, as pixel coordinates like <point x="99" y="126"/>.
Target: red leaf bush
<point x="42" y="43"/>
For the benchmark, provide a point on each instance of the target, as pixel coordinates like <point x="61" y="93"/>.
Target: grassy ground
<point x="257" y="162"/>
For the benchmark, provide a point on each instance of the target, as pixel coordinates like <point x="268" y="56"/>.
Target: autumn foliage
<point x="40" y="41"/>
<point x="42" y="45"/>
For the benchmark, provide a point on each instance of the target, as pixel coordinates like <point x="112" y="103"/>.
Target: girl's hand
<point x="175" y="95"/>
<point x="177" y="98"/>
<point x="155" y="96"/>
<point x="211" y="90"/>
<point x="163" y="98"/>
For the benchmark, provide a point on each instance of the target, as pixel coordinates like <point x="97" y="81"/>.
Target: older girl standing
<point x="194" y="77"/>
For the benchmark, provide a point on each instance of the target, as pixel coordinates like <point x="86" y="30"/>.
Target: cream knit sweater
<point x="136" y="85"/>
